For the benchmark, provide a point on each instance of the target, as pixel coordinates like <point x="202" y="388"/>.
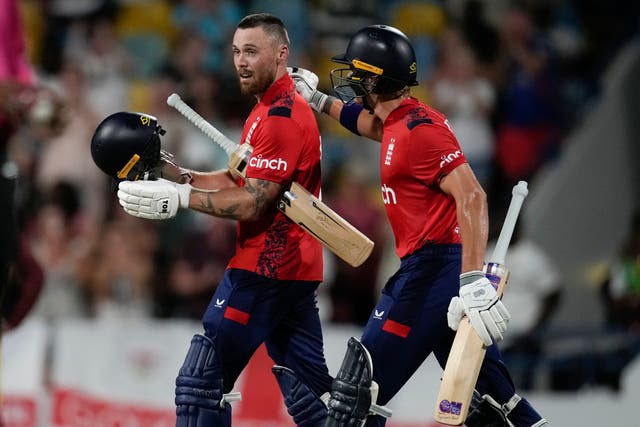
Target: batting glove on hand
<point x="158" y="199"/>
<point x="455" y="313"/>
<point x="307" y="85"/>
<point x="479" y="301"/>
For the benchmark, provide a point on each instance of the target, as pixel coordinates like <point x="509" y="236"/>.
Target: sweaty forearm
<point x="471" y="213"/>
<point x="473" y="222"/>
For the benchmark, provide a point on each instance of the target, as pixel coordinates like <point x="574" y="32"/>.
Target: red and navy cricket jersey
<point x="418" y="149"/>
<point x="286" y="147"/>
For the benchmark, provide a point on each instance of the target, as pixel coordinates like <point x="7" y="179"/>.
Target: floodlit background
<point x="542" y="91"/>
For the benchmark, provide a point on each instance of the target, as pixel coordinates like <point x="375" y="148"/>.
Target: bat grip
<point x="218" y="137"/>
<point x="519" y="193"/>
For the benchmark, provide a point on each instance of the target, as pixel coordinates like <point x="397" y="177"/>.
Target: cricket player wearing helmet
<point x="438" y="213"/>
<point x="268" y="292"/>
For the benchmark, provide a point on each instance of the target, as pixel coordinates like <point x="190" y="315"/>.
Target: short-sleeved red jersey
<point x="418" y="149"/>
<point x="286" y="147"/>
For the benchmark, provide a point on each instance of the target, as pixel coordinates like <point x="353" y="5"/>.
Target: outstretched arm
<point x="168" y="169"/>
<point x="367" y="124"/>
<point x="246" y="203"/>
<point x="307" y="85"/>
<point x="161" y="199"/>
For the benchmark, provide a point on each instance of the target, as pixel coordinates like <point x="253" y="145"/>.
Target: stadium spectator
<point x="24" y="103"/>
<point x="467" y="99"/>
<point x="534" y="291"/>
<point x="528" y="122"/>
<point x="212" y="22"/>
<point x="59" y="241"/>
<point x="353" y="290"/>
<point x="621" y="296"/>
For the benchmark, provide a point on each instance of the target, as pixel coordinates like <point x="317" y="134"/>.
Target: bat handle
<point x="218" y="137"/>
<point x="519" y="193"/>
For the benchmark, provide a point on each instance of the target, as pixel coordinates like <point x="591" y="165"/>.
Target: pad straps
<point x="304" y="406"/>
<point x="200" y="401"/>
<point x="353" y="392"/>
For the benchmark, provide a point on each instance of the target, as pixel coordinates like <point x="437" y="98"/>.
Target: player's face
<point x="255" y="57"/>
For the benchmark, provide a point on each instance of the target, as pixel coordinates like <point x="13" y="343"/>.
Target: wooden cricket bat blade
<point x="468" y="351"/>
<point x="329" y="228"/>
<point x="463" y="367"/>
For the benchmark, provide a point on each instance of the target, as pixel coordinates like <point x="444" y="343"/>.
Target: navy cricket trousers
<point x="248" y="309"/>
<point x="410" y="322"/>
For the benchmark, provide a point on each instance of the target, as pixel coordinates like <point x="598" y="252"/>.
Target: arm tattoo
<point x="206" y="205"/>
<point x="261" y="191"/>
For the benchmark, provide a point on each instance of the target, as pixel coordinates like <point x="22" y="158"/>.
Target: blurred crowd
<point x="514" y="78"/>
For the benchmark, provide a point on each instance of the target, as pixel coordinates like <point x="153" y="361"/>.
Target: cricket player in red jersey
<point x="268" y="293"/>
<point x="438" y="213"/>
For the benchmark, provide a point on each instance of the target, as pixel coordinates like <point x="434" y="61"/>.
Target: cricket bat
<point x="319" y="220"/>
<point x="468" y="351"/>
<point x="239" y="154"/>
<point x="315" y="217"/>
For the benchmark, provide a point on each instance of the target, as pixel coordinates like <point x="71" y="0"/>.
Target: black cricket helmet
<point x="381" y="60"/>
<point x="125" y="145"/>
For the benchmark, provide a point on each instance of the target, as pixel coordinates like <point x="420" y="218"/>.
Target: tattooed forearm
<point x="261" y="190"/>
<point x="206" y="205"/>
<point x="242" y="203"/>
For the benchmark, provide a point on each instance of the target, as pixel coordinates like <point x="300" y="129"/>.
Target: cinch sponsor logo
<point x="273" y="164"/>
<point x="447" y="407"/>
<point x="450" y="157"/>
<point x="388" y="195"/>
<point x="387" y="159"/>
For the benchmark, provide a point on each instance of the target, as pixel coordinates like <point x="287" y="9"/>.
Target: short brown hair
<point x="271" y="25"/>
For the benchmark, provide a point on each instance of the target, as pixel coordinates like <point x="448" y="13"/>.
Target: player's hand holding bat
<point x="480" y="302"/>
<point x="307" y="85"/>
<point x="158" y="199"/>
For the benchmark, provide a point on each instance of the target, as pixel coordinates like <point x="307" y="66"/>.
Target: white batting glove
<point x="158" y="199"/>
<point x="307" y="85"/>
<point x="479" y="301"/>
<point x="455" y="313"/>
